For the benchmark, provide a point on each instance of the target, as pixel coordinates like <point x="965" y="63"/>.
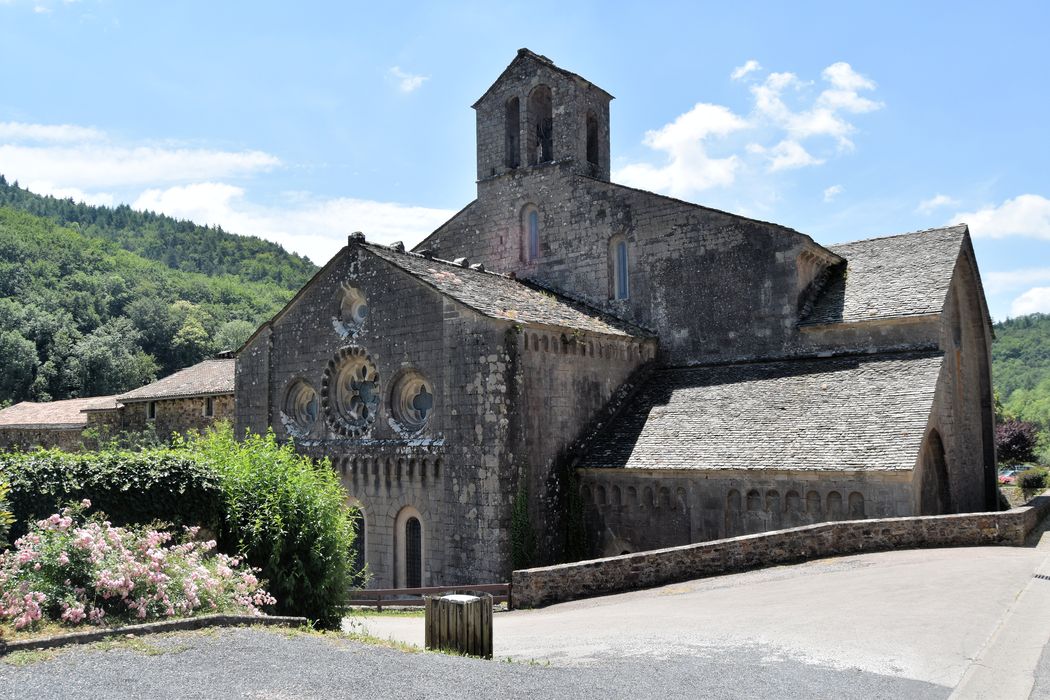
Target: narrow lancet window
<point x="541" y="126"/>
<point x="620" y="287"/>
<point x="534" y="234"/>
<point x="513" y="133"/>
<point x="592" y="138"/>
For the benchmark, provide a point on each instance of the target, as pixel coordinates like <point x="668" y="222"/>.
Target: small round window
<point x="353" y="307"/>
<point x="412" y="402"/>
<point x="300" y="406"/>
<point x="351" y="391"/>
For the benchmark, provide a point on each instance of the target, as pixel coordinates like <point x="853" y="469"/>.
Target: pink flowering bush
<point x="78" y="569"/>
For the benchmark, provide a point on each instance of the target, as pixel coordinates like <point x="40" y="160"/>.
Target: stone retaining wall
<point x="554" y="584"/>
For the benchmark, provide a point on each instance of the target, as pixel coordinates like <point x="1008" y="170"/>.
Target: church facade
<point x="571" y="367"/>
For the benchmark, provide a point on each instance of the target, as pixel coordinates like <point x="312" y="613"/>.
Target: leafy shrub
<point x="130" y="487"/>
<point x="1032" y="480"/>
<point x="287" y="516"/>
<point x="1015" y="441"/>
<point x="74" y="569"/>
<point x="7" y="518"/>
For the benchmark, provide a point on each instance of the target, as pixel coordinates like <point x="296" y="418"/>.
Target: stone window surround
<point x="401" y="550"/>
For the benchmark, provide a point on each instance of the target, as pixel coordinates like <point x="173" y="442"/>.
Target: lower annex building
<point x="574" y="367"/>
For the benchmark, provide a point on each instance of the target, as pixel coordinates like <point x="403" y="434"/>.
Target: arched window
<point x="358" y="555"/>
<point x="592" y="138"/>
<point x="408" y="549"/>
<point x="541" y="126"/>
<point x="619" y="276"/>
<point x="531" y="233"/>
<point x="512" y="141"/>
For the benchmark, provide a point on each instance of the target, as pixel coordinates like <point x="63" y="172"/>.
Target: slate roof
<point x="897" y="276"/>
<point x="864" y="413"/>
<point x="206" y="378"/>
<point x="499" y="296"/>
<point x="66" y="414"/>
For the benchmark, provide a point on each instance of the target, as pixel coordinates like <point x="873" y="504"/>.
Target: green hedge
<point x="288" y="516"/>
<point x="130" y="487"/>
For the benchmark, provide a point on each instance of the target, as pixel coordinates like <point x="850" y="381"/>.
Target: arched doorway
<point x="935" y="495"/>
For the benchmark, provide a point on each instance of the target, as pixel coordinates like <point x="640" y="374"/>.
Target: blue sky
<point x="303" y="122"/>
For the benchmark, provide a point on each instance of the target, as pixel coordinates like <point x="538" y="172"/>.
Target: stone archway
<point x="935" y="494"/>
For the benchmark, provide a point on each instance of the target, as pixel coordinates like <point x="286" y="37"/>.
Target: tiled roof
<point x="499" y="296"/>
<point x="847" y="413"/>
<point x="52" y="414"/>
<point x="904" y="275"/>
<point x="203" y="379"/>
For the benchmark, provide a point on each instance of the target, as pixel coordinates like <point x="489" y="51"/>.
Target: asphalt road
<point x="968" y="622"/>
<point x="256" y="663"/>
<point x="972" y="620"/>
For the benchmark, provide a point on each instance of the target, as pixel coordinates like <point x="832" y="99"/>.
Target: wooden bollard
<point x="460" y="623"/>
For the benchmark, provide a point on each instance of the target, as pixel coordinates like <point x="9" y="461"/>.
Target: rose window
<point x="351" y="391"/>
<point x="300" y="406"/>
<point x="412" y="402"/>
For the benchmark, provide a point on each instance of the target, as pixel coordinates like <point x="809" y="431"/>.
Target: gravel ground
<point x="263" y="663"/>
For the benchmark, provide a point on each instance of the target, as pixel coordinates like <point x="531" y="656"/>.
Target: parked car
<point x="1009" y="475"/>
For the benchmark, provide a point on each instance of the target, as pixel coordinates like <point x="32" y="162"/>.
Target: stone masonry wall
<point x="712" y="285"/>
<point x="454" y="475"/>
<point x="554" y="584"/>
<point x="571" y="99"/>
<point x="632" y="510"/>
<point x="68" y="439"/>
<point x="567" y="380"/>
<point x="177" y="415"/>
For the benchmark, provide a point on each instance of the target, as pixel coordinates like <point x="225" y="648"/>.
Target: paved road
<point x="914" y="624"/>
<point x="255" y="663"/>
<point x="974" y="620"/>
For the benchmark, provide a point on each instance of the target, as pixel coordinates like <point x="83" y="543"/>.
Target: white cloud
<point x="1010" y="280"/>
<point x="823" y="118"/>
<point x="91" y="166"/>
<point x="193" y="183"/>
<point x="789" y="126"/>
<point x="407" y="82"/>
<point x="740" y="71"/>
<point x="58" y="133"/>
<point x="1025" y="215"/>
<point x="313" y="227"/>
<point x="689" y="167"/>
<point x="1035" y="300"/>
<point x="832" y="192"/>
<point x="927" y="206"/>
<point x="786" y="155"/>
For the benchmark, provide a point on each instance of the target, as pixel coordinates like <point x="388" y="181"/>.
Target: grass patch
<point x="26" y="658"/>
<point x="372" y="612"/>
<point x="138" y="644"/>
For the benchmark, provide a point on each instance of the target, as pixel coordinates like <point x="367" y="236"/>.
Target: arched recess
<point x="935" y="493"/>
<point x="360" y="525"/>
<point x="512" y="128"/>
<point x="541" y="126"/>
<point x="409" y="549"/>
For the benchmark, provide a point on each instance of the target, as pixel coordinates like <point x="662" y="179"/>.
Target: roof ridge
<point x="930" y="350"/>
<point x="902" y="235"/>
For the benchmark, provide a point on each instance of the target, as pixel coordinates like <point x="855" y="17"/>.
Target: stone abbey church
<point x="568" y="360"/>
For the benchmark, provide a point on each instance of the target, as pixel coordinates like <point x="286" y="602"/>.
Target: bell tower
<point x="537" y="115"/>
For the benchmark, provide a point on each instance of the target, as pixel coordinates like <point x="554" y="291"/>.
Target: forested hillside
<point x="96" y="300"/>
<point x="180" y="245"/>
<point x="1021" y="369"/>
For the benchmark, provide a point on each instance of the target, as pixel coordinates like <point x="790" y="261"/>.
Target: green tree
<point x="109" y="360"/>
<point x="19" y="362"/>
